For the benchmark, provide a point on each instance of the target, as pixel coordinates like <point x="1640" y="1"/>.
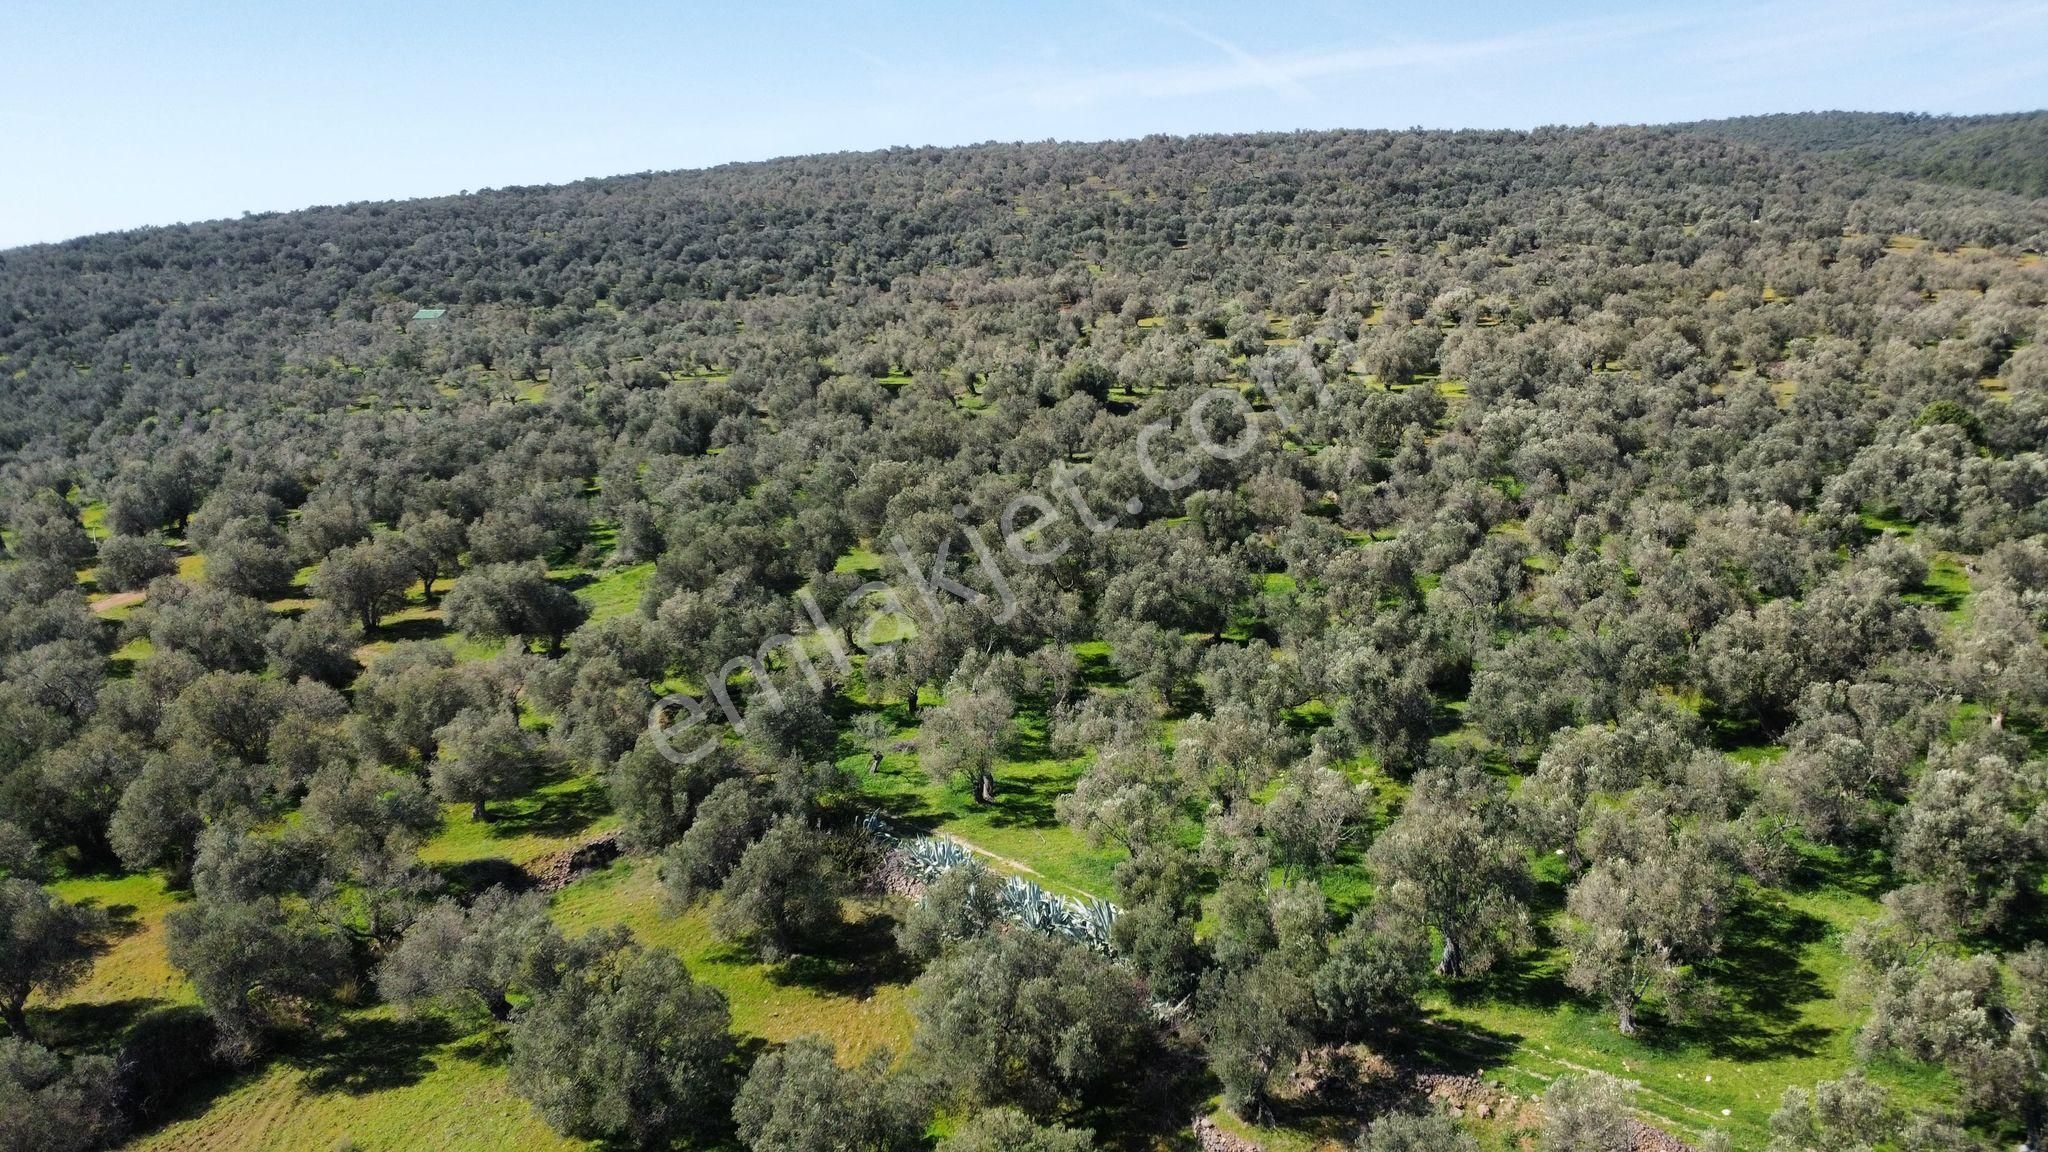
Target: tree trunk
<point x="427" y="587"/>
<point x="1625" y="1012"/>
<point x="1452" y="962"/>
<point x="479" y="813"/>
<point x="501" y="1008"/>
<point x="15" y="1014"/>
<point x="874" y="762"/>
<point x="985" y="787"/>
<point x="369" y="618"/>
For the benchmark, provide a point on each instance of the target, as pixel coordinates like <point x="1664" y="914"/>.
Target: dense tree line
<point x="1633" y="519"/>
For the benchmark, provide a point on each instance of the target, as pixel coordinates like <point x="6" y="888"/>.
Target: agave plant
<point x="1094" y="919"/>
<point x="877" y="825"/>
<point x="934" y="856"/>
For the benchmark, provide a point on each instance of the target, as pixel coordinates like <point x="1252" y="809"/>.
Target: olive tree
<point x="798" y="1098"/>
<point x="628" y="1047"/>
<point x="364" y="580"/>
<point x="964" y="736"/>
<point x="478" y="955"/>
<point x="485" y="756"/>
<point x="46" y="945"/>
<point x="1027" y="1019"/>
<point x="782" y="895"/>
<point x="1450" y="862"/>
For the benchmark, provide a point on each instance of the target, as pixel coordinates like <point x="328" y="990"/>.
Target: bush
<point x="131" y="562"/>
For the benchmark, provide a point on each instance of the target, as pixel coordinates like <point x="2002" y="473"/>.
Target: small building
<point x="429" y="315"/>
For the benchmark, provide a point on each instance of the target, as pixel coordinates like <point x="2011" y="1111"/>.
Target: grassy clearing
<point x="557" y="815"/>
<point x="616" y="592"/>
<point x="1785" y="1017"/>
<point x="858" y="559"/>
<point x="1020" y="827"/>
<point x="854" y="994"/>
<point x="130" y="977"/>
<point x="373" y="1082"/>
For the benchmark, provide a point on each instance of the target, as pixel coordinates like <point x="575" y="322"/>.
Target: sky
<point x="116" y="115"/>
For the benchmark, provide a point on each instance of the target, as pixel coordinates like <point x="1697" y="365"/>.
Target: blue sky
<point x="114" y="115"/>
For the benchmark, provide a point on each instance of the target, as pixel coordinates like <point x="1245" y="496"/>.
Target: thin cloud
<point x="1288" y="73"/>
<point x="1277" y="80"/>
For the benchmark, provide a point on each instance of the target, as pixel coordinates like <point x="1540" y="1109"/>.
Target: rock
<point x="1210" y="1138"/>
<point x="558" y="870"/>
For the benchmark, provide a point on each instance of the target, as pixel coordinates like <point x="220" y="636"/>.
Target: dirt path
<point x="1005" y="861"/>
<point x="117" y="601"/>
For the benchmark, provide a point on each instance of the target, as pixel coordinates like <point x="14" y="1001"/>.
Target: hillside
<point x="1285" y="633"/>
<point x="2006" y="153"/>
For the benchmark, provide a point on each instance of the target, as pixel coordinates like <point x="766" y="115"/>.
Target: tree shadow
<point x="852" y="960"/>
<point x="1461" y="1049"/>
<point x="121" y="919"/>
<point x="95" y="1026"/>
<point x="1861" y="871"/>
<point x="489" y="1047"/>
<point x="1762" y="983"/>
<point x="1532" y="978"/>
<point x="170" y="1068"/>
<point x="412" y="628"/>
<point x="472" y="878"/>
<point x="552" y="812"/>
<point x="374" y="1054"/>
<point x="1157" y="1108"/>
<point x="1098" y="670"/>
<point x="1028" y="802"/>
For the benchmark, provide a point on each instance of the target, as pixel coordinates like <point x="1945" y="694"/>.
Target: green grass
<point x="132" y="973"/>
<point x="1021" y="825"/>
<point x="858" y="560"/>
<point x="1946" y="587"/>
<point x="373" y="1082"/>
<point x="557" y="815"/>
<point x="616" y="592"/>
<point x="1785" y="1018"/>
<point x="854" y="994"/>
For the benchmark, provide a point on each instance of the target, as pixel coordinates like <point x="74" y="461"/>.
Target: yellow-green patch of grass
<point x="128" y="655"/>
<point x="557" y="815"/>
<point x="776" y="1003"/>
<point x="134" y="967"/>
<point x="375" y="1082"/>
<point x="616" y="592"/>
<point x="1786" y="1017"/>
<point x="1020" y="829"/>
<point x="858" y="559"/>
<point x="192" y="568"/>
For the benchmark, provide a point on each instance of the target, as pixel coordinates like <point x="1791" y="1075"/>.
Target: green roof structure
<point x="430" y="314"/>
